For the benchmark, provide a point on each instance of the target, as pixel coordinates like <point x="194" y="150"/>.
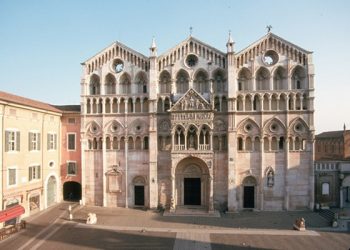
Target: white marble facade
<point x="196" y="126"/>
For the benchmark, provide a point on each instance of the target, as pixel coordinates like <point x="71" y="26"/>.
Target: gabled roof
<point x="68" y="108"/>
<point x="193" y="39"/>
<point x="268" y="36"/>
<point x="10" y="98"/>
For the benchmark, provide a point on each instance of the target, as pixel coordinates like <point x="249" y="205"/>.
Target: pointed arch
<point x="182" y="81"/>
<point x="219" y="81"/>
<point x="95" y="86"/>
<point x="141" y="82"/>
<point x="125" y="84"/>
<point x="299" y="77"/>
<point x="269" y="129"/>
<point x="244" y="80"/>
<point x="280" y="75"/>
<point x="164" y="82"/>
<point x="110" y="84"/>
<point x="262" y="79"/>
<point x="201" y="81"/>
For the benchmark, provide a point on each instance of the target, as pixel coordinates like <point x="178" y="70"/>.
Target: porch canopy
<point x="11" y="213"/>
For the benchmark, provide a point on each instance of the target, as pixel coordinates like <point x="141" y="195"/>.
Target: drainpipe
<point x="42" y="162"/>
<point x="2" y="158"/>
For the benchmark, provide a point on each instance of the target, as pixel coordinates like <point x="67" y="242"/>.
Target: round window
<point x="273" y="127"/>
<point x="118" y="66"/>
<point x="51" y="164"/>
<point x="248" y="127"/>
<point x="298" y="127"/>
<point x="270" y="58"/>
<point x="191" y="60"/>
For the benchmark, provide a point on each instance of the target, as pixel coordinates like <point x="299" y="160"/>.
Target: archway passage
<point x="192" y="191"/>
<point x="192" y="183"/>
<point x="71" y="191"/>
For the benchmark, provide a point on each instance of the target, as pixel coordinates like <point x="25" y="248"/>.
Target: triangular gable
<point x="191" y="101"/>
<point x="187" y="41"/>
<point x="115" y="45"/>
<point x="267" y="37"/>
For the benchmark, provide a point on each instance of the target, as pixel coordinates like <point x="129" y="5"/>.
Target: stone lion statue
<point x="91" y="219"/>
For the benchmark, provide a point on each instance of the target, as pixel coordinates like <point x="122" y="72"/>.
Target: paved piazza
<point x="120" y="228"/>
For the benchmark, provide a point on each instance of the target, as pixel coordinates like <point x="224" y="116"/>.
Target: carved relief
<point x="114" y="179"/>
<point x="191" y="101"/>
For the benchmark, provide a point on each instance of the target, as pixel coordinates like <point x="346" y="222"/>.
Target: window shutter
<point x="30" y="173"/>
<point x="7" y="141"/>
<point x="55" y="142"/>
<point x="30" y="138"/>
<point x="39" y="141"/>
<point x="48" y="141"/>
<point x="39" y="171"/>
<point x="18" y="141"/>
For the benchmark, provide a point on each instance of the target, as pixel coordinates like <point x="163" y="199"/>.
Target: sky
<point x="42" y="43"/>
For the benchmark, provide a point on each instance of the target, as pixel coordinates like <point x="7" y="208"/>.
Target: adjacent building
<point x="332" y="169"/>
<point x="196" y="126"/>
<point x="70" y="152"/>
<point x="30" y="156"/>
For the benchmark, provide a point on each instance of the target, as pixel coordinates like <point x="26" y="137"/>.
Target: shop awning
<point x="11" y="213"/>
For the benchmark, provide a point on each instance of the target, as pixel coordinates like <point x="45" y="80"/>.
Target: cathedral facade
<point x="196" y="126"/>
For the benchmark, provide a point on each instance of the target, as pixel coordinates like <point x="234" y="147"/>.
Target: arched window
<point x="262" y="79"/>
<point x="145" y="143"/>
<point x="248" y="144"/>
<point x="299" y="78"/>
<point x="182" y="82"/>
<point x="244" y="80"/>
<point x="94" y="85"/>
<point x="240" y="144"/>
<point x="164" y="82"/>
<point x="281" y="143"/>
<point x="280" y="79"/>
<point x="219" y="82"/>
<point x="141" y="83"/>
<point x="110" y="84"/>
<point x="201" y="83"/>
<point x="125" y="84"/>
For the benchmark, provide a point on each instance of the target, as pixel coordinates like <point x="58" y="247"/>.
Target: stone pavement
<point x="119" y="228"/>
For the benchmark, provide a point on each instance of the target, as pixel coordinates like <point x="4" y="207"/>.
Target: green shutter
<point x="30" y="174"/>
<point x="55" y="142"/>
<point x="7" y="141"/>
<point x="18" y="141"/>
<point x="39" y="141"/>
<point x="39" y="171"/>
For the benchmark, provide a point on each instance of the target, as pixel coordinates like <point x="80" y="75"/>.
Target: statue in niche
<point x="192" y="103"/>
<point x="270" y="178"/>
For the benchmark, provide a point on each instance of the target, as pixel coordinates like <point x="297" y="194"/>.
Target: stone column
<point x="285" y="179"/>
<point x="126" y="148"/>
<point x="126" y="106"/>
<point x="211" y="194"/>
<point x="172" y="198"/>
<point x="341" y="200"/>
<point x="262" y="163"/>
<point x="104" y="171"/>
